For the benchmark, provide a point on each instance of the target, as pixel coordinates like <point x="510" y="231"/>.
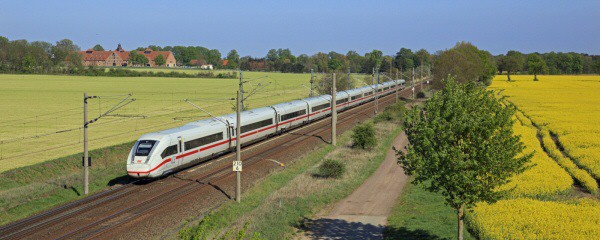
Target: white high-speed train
<point x="160" y="153"/>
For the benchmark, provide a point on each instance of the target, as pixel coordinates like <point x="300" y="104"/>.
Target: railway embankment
<point x="27" y="190"/>
<point x="284" y="203"/>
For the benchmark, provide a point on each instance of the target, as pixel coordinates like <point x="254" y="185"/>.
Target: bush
<point x="391" y="113"/>
<point x="420" y="95"/>
<point x="363" y="136"/>
<point x="331" y="169"/>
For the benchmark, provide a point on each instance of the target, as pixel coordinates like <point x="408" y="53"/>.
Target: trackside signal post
<point x="377" y="93"/>
<point x="413" y="83"/>
<point x="86" y="159"/>
<point x="86" y="172"/>
<point x="312" y="81"/>
<point x="238" y="152"/>
<point x="333" y="112"/>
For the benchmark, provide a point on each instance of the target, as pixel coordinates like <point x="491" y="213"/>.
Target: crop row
<point x="566" y="105"/>
<point x="526" y="218"/>
<point x="544" y="177"/>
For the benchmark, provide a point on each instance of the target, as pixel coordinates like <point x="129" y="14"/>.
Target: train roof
<point x="160" y="134"/>
<point x="319" y="98"/>
<point x="354" y="91"/>
<point x="366" y="88"/>
<point x="286" y="106"/>
<point x="291" y="103"/>
<point x="251" y="115"/>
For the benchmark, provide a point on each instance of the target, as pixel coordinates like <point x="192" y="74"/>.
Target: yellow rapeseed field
<point x="545" y="177"/>
<point x="526" y="218"/>
<point x="566" y="105"/>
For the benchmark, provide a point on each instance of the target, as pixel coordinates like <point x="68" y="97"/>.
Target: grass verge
<point x="420" y="214"/>
<point x="277" y="206"/>
<point x="27" y="190"/>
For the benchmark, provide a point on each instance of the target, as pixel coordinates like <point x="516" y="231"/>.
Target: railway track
<point x="104" y="222"/>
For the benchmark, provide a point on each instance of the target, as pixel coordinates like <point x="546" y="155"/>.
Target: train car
<point x="157" y="154"/>
<point x="291" y="114"/>
<point x="387" y="88"/>
<point x="256" y="124"/>
<point x="342" y="99"/>
<point x="160" y="153"/>
<point x="379" y="88"/>
<point x="318" y="107"/>
<point x="356" y="97"/>
<point x="368" y="93"/>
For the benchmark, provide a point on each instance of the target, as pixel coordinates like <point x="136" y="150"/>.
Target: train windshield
<point x="144" y="147"/>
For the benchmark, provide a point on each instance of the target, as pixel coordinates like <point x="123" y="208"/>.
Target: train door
<point x="180" y="149"/>
<point x="230" y="135"/>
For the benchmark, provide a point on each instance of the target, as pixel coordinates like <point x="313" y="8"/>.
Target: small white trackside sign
<point x="237" y="166"/>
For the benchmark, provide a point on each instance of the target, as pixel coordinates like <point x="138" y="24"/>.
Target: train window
<point x="171" y="150"/>
<point x="368" y="93"/>
<point x="379" y="90"/>
<point x="386" y="88"/>
<point x="144" y="147"/>
<point x="355" y="97"/>
<point x="203" y="140"/>
<point x="343" y="100"/>
<point x="293" y="115"/>
<point x="257" y="125"/>
<point x="319" y="107"/>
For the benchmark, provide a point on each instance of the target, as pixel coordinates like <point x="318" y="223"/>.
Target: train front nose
<point x="138" y="170"/>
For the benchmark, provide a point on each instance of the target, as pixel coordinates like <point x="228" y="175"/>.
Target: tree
<point x="98" y="47"/>
<point x="536" y="65"/>
<point x="462" y="145"/>
<point x="160" y="60"/>
<point x="466" y="63"/>
<point x="138" y="59"/>
<point x="335" y="64"/>
<point x="61" y="50"/>
<point x="423" y="57"/>
<point x="234" y="59"/>
<point x="405" y="59"/>
<point x="489" y="67"/>
<point x="596" y="66"/>
<point x="373" y="60"/>
<point x="513" y="62"/>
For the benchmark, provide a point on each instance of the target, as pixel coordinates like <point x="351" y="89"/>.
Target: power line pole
<point x="349" y="85"/>
<point x="428" y="73"/>
<point x="333" y="112"/>
<point x="377" y="94"/>
<point x="86" y="172"/>
<point x="397" y="85"/>
<point x="238" y="152"/>
<point x="421" y="86"/>
<point x="242" y="88"/>
<point x="413" y="83"/>
<point x="312" y="80"/>
<point x="86" y="159"/>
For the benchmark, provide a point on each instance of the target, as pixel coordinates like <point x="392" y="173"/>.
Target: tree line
<point x="464" y="60"/>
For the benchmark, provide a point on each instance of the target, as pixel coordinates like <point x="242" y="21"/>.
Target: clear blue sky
<point x="254" y="27"/>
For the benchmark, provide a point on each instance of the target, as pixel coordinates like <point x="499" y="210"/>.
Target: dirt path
<point x="363" y="214"/>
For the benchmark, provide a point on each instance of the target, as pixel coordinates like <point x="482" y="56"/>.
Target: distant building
<point x="120" y="57"/>
<point x="207" y="66"/>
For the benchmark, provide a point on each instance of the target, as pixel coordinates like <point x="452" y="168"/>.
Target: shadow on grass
<point x="326" y="228"/>
<point x="404" y="233"/>
<point x="75" y="190"/>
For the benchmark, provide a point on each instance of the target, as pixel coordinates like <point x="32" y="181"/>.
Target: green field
<point x="41" y="115"/>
